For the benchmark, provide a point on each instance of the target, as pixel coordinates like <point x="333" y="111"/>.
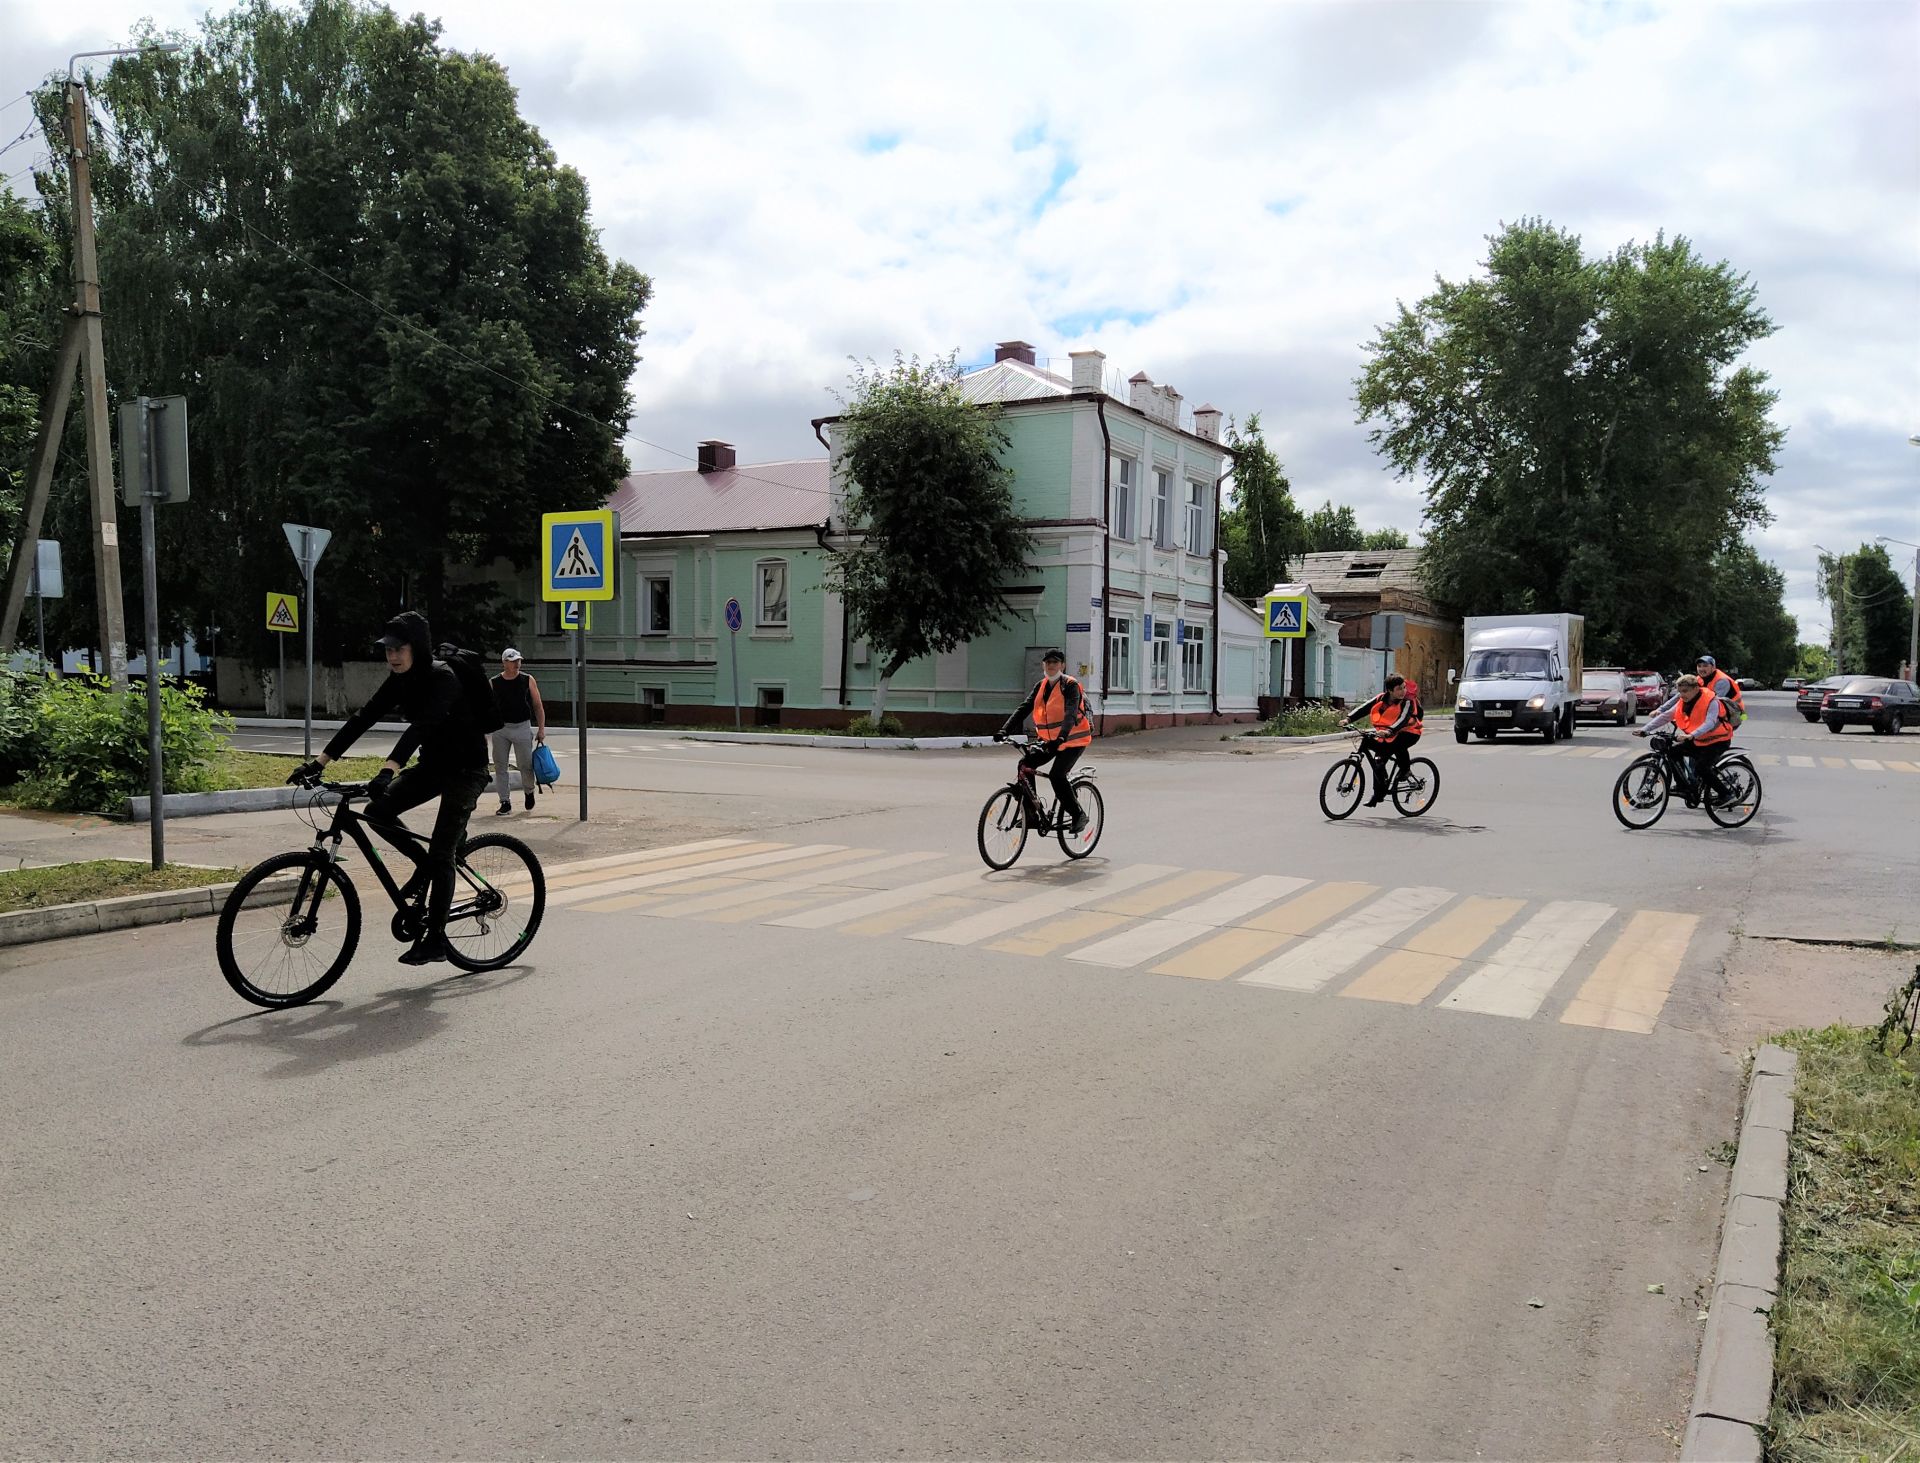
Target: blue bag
<point x="546" y="770"/>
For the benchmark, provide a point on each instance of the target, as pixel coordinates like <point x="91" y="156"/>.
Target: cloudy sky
<point x="1229" y="197"/>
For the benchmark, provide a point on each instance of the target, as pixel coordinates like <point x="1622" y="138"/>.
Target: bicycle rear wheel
<point x="1737" y="805"/>
<point x="499" y="898"/>
<point x="1340" y="789"/>
<point x="1003" y="829"/>
<point x="1095" y="808"/>
<point x="1640" y="795"/>
<point x="1414" y="793"/>
<point x="298" y="939"/>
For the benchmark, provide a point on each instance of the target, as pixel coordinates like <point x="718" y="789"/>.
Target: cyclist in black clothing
<point x="452" y="766"/>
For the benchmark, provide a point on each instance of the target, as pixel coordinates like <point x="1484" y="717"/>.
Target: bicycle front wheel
<point x="499" y="898"/>
<point x="1079" y="846"/>
<point x="1003" y="829"/>
<point x="1739" y="799"/>
<point x="1414" y="793"/>
<point x="299" y="936"/>
<point x="1640" y="796"/>
<point x="1340" y="789"/>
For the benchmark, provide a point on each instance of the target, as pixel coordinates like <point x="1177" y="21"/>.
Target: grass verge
<point x="233" y="770"/>
<point x="98" y="879"/>
<point x="1847" y="1325"/>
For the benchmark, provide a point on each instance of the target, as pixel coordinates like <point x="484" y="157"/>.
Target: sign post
<point x="45" y="582"/>
<point x="308" y="544"/>
<point x="733" y="644"/>
<point x="1389" y="633"/>
<point x="283" y="619"/>
<point x="153" y="470"/>
<point x="580" y="555"/>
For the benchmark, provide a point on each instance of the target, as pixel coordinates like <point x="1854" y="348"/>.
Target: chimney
<point x="1140" y="392"/>
<point x="1014" y="350"/>
<point x="1172" y="399"/>
<point x="716" y="456"/>
<point x="1089" y="370"/>
<point x="1206" y="422"/>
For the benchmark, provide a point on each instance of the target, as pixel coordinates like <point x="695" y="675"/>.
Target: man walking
<point x="523" y="717"/>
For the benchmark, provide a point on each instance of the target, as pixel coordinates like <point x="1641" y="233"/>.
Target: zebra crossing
<point x="1578" y="962"/>
<point x="1759" y="759"/>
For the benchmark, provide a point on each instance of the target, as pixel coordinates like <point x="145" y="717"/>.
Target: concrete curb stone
<point x="1733" y="1385"/>
<point x="765" y="739"/>
<point x="126" y="911"/>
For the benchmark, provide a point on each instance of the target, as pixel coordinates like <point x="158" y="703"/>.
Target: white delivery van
<point x="1522" y="674"/>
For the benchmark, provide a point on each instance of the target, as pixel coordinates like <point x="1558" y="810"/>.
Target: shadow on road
<point x="316" y="1037"/>
<point x="1422" y="827"/>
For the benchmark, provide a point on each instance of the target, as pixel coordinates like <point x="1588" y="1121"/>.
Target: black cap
<point x="394" y="636"/>
<point x="409" y="627"/>
<point x="1052" y="655"/>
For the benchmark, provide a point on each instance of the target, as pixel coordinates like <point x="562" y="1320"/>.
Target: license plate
<point x="1492" y="715"/>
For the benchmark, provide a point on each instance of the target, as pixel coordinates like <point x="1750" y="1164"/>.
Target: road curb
<point x="127" y="911"/>
<point x="763" y="739"/>
<point x="1733" y="1385"/>
<point x="197" y="804"/>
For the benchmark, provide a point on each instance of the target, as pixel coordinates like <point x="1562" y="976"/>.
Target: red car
<point x="1649" y="691"/>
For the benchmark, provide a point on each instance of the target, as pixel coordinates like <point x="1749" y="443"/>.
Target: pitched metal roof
<point x="1012" y="380"/>
<point x="1359" y="571"/>
<point x="732" y="500"/>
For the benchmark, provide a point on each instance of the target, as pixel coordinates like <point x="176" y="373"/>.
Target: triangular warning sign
<point x="577" y="561"/>
<point x="282" y="616"/>
<point x="1286" y="617"/>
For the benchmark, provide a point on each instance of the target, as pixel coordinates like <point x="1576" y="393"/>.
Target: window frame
<point x="760" y="621"/>
<point x="1160" y="649"/>
<point x="1121" y="525"/>
<point x="1119" y="676"/>
<point x="1196" y="510"/>
<point x="1194" y="666"/>
<point x="1162" y="527"/>
<point x="647" y="581"/>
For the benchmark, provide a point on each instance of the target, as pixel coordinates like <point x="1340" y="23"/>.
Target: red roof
<point x="732" y="500"/>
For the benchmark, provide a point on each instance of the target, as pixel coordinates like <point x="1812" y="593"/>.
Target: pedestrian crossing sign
<point x="283" y="614"/>
<point x="1285" y="616"/>
<point x="579" y="550"/>
<point x="572" y="612"/>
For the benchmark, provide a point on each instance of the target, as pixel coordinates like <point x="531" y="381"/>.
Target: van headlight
<point x="1463" y="704"/>
<point x="1537" y="703"/>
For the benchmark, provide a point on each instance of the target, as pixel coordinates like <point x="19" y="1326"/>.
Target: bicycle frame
<point x="1026" y="781"/>
<point x="349" y="823"/>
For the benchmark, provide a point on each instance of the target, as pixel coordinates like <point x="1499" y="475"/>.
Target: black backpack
<point x="474" y="686"/>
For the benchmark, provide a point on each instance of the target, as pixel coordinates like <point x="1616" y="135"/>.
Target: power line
<point x="9" y="106"/>
<point x="30" y="168"/>
<point x="25" y="133"/>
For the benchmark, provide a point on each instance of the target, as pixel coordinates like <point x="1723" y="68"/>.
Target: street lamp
<point x="1913" y="634"/>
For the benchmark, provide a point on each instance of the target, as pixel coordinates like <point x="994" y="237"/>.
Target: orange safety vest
<point x="1050" y="714"/>
<point x="1725" y="687"/>
<point x="1690" y="718"/>
<point x="1385" y="714"/>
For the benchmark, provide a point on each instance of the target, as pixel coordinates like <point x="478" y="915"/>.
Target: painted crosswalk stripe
<point x="1000" y="918"/>
<point x="581" y="866"/>
<point x="680" y="875"/>
<point x="1866" y="764"/>
<point x="1902" y="767"/>
<point x="1312" y="965"/>
<point x="1306" y="912"/>
<point x="1166" y="893"/>
<point x="891" y="921"/>
<point x="1081" y="925"/>
<point x="1425" y="959"/>
<point x="1154" y="937"/>
<point x="1799" y="761"/>
<point x="1520" y="974"/>
<point x="1765" y="759"/>
<point x="1219" y="957"/>
<point x="1631" y="983"/>
<point x="1608" y="753"/>
<point x="655" y="865"/>
<point x="849" y="867"/>
<point x="881" y="901"/>
<point x="1833" y="761"/>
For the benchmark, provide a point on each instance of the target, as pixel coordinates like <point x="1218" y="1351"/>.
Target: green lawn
<point x="98" y="879"/>
<point x="1847" y="1326"/>
<point x="233" y="769"/>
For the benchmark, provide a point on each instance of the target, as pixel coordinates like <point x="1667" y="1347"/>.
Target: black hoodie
<point x="439" y="724"/>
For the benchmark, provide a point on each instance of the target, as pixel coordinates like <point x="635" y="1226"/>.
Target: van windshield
<point x="1499" y="665"/>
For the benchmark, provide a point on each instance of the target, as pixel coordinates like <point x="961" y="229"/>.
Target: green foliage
<point x="1744" y="624"/>
<point x="1384" y="538"/>
<point x="384" y="300"/>
<point x="1585" y="433"/>
<point x="1812" y="662"/>
<point x="1263" y="529"/>
<point x="1870" y="600"/>
<point x="931" y="506"/>
<point x="22" y="737"/>
<point x="93" y="744"/>
<point x="29" y="327"/>
<point x="1302" y="721"/>
<point x="867" y="726"/>
<point x="98" y="879"/>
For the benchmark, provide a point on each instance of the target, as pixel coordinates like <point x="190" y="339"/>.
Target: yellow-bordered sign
<point x="578" y="552"/>
<point x="1285" y="616"/>
<point x="283" y="614"/>
<point x="570" y="612"/>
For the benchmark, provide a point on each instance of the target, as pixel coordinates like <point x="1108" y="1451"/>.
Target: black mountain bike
<point x="1644" y="788"/>
<point x="1413" y="791"/>
<point x="1018" y="808"/>
<point x="294" y="953"/>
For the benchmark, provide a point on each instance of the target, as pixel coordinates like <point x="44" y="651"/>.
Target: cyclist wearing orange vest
<point x="1703" y="733"/>
<point x="1059" y="710"/>
<point x="1719" y="683"/>
<point x="1397" y="724"/>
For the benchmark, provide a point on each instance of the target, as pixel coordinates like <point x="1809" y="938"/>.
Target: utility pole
<point x="93" y="364"/>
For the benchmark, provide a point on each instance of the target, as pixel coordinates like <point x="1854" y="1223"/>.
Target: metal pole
<point x="733" y="644"/>
<point x="1913" y="635"/>
<point x="580" y="699"/>
<point x="40" y="623"/>
<point x="280" y="685"/>
<point x="150" y="489"/>
<point x="306" y="567"/>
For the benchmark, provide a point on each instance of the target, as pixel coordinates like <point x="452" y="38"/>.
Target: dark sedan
<point x="1886" y="706"/>
<point x="1807" y="702"/>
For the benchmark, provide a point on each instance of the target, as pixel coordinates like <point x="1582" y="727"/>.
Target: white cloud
<point x="728" y="152"/>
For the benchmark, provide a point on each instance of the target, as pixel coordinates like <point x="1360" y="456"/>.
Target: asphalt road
<point x="1252" y="1135"/>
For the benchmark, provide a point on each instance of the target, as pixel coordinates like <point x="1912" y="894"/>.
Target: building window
<point x="656" y="604"/>
<point x="1196" y="518"/>
<point x="1123" y="488"/>
<point x="770" y="606"/>
<point x="1119" y="653"/>
<point x="1162" y="653"/>
<point x="550" y="617"/>
<point x="1162" y="525"/>
<point x="1193" y="659"/>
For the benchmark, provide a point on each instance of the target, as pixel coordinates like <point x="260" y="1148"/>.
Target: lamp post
<point x="1913" y="633"/>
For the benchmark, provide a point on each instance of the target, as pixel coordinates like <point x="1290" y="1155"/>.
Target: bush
<point x="22" y="741"/>
<point x="92" y="753"/>
<point x="1303" y="721"/>
<point x="863" y="726"/>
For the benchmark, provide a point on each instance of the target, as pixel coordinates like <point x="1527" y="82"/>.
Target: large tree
<point x="384" y="301"/>
<point x="1588" y="439"/>
<point x="933" y="534"/>
<point x="1875" y="613"/>
<point x="1263" y="528"/>
<point x="1746" y="627"/>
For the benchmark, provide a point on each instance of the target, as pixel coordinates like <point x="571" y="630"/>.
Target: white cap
<point x="511" y="654"/>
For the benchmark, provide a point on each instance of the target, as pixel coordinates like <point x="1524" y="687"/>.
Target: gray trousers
<point x="517" y="736"/>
